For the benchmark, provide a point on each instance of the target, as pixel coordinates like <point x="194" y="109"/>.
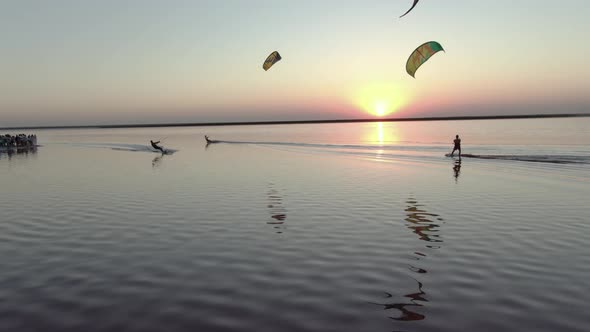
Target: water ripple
<point x="102" y="240"/>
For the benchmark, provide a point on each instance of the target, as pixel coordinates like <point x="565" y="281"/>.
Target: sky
<point x="128" y="62"/>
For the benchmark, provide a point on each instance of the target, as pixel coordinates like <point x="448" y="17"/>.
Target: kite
<point x="409" y="10"/>
<point x="273" y="58"/>
<point x="421" y="55"/>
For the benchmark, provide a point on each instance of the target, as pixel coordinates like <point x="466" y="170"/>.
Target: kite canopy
<point x="273" y="58"/>
<point x="409" y="10"/>
<point x="421" y="55"/>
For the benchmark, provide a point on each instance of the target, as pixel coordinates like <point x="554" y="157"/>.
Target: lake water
<point x="316" y="227"/>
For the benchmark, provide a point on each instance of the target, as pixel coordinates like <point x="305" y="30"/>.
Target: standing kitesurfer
<point x="155" y="146"/>
<point x="457" y="142"/>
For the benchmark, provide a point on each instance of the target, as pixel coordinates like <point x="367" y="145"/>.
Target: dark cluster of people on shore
<point x="18" y="141"/>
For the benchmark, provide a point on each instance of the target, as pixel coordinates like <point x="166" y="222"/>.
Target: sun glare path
<point x="381" y="133"/>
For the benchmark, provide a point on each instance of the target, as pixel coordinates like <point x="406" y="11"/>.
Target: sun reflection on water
<point x="381" y="133"/>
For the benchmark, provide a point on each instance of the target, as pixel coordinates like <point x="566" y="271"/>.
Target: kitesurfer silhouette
<point x="155" y="146"/>
<point x="457" y="142"/>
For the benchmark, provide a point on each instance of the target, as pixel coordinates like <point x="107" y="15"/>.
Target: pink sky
<point x="201" y="61"/>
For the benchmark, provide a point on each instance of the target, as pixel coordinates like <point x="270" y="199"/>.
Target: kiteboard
<point x="166" y="151"/>
<point x="210" y="141"/>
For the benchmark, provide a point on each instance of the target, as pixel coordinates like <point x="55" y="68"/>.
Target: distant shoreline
<point x="251" y="123"/>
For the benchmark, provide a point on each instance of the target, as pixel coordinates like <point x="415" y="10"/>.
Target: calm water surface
<point x="327" y="227"/>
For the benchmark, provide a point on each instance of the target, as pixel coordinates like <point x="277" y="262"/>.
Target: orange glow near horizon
<point x="381" y="99"/>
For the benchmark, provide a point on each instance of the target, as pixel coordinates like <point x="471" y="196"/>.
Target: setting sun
<point x="381" y="99"/>
<point x="381" y="108"/>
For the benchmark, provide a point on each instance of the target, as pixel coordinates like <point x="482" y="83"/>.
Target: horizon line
<point x="253" y="123"/>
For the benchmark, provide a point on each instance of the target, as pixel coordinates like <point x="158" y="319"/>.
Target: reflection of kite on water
<point x="409" y="10"/>
<point x="421" y="55"/>
<point x="273" y="58"/>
